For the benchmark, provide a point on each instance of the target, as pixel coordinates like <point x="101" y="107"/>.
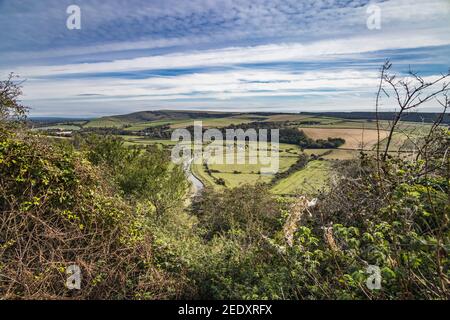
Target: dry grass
<point x="354" y="138"/>
<point x="298" y="209"/>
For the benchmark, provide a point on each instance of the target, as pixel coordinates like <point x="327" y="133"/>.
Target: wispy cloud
<point x="279" y="54"/>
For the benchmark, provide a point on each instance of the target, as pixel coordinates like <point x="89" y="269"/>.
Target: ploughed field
<point x="355" y="138"/>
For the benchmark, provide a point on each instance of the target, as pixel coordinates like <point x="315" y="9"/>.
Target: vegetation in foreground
<point x="119" y="213"/>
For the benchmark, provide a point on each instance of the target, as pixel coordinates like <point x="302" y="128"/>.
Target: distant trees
<point x="298" y="137"/>
<point x="294" y="136"/>
<point x="287" y="134"/>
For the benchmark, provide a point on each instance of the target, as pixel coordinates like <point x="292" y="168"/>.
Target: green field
<point x="64" y="127"/>
<point x="145" y="125"/>
<point x="235" y="180"/>
<point x="141" y="140"/>
<point x="106" y="123"/>
<point x="237" y="174"/>
<point x="310" y="180"/>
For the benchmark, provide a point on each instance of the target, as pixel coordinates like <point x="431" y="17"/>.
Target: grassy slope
<point x="107" y="122"/>
<point x="235" y="180"/>
<point x="309" y="180"/>
<point x="212" y="123"/>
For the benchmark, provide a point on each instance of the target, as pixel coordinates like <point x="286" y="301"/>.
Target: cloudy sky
<point x="229" y="55"/>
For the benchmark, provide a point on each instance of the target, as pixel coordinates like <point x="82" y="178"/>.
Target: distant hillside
<point x="143" y="116"/>
<point x="170" y="115"/>
<point x="155" y="116"/>
<point x="412" y="116"/>
<point x="50" y="120"/>
<point x="161" y="117"/>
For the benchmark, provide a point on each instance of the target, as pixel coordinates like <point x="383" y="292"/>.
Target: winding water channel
<point x="198" y="186"/>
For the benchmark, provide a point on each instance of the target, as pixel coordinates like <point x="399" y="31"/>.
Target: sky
<point x="224" y="55"/>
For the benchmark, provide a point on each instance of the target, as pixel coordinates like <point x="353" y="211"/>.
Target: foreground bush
<point x="395" y="219"/>
<point x="56" y="211"/>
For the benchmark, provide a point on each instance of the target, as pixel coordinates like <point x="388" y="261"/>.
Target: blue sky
<point x="229" y="55"/>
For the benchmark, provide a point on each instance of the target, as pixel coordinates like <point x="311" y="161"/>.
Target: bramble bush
<point x="57" y="210"/>
<point x="395" y="219"/>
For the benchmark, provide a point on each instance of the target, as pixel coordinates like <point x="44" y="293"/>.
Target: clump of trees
<point x="287" y="134"/>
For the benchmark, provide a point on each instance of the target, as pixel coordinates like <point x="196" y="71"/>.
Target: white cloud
<point x="230" y="84"/>
<point x="296" y="52"/>
<point x="287" y="32"/>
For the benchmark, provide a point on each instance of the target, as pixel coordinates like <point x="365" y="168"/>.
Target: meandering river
<point x="196" y="183"/>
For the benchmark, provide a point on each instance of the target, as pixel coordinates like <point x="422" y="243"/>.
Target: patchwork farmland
<point x="154" y="128"/>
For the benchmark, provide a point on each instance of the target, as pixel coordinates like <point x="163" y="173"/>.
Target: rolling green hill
<point x="174" y="117"/>
<point x="155" y="116"/>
